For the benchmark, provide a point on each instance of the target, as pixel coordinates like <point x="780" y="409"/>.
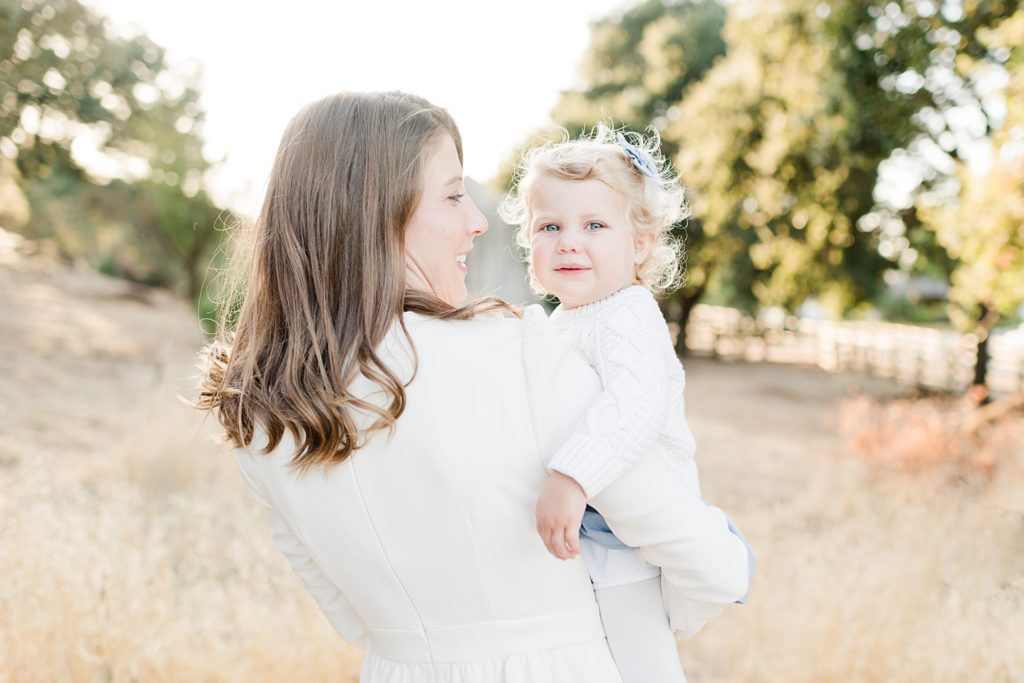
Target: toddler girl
<point x="595" y="215"/>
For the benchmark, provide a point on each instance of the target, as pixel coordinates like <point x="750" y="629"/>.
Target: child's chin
<point x="569" y="301"/>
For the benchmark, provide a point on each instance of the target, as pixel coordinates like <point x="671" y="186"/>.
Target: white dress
<point x="422" y="546"/>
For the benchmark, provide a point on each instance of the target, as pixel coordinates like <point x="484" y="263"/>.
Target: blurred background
<point x="851" y="321"/>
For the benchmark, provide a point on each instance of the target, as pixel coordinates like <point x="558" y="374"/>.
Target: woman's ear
<point x="643" y="244"/>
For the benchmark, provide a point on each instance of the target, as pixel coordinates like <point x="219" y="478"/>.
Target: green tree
<point x="93" y="119"/>
<point x="635" y="71"/>
<point x="13" y="204"/>
<point x="984" y="229"/>
<point x="176" y="235"/>
<point x="785" y="138"/>
<point x="67" y="78"/>
<point x="766" y="142"/>
<point x="639" y="65"/>
<point x="791" y="123"/>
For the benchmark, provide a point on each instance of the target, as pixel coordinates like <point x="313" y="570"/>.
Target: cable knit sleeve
<point x="329" y="599"/>
<point x="626" y="345"/>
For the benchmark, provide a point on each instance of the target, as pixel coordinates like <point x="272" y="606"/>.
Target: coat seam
<point x="387" y="559"/>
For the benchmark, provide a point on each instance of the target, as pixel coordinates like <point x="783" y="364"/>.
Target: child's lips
<point x="571" y="268"/>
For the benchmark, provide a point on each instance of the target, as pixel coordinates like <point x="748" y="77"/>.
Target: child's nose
<point x="566" y="244"/>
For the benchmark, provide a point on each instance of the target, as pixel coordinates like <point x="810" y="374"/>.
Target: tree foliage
<point x="808" y="132"/>
<point x="106" y="137"/>
<point x="640" y="64"/>
<point x="983" y="229"/>
<point x="634" y="73"/>
<point x="785" y="141"/>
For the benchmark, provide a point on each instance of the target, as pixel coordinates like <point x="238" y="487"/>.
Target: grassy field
<point x="878" y="560"/>
<point x="130" y="552"/>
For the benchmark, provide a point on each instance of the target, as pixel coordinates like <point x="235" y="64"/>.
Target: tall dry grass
<point x="150" y="563"/>
<point x="901" y="560"/>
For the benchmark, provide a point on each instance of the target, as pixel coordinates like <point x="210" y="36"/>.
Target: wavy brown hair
<point x="324" y="278"/>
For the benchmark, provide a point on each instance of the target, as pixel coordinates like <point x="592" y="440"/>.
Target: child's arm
<point x="620" y="427"/>
<point x="652" y="507"/>
<point x="559" y="515"/>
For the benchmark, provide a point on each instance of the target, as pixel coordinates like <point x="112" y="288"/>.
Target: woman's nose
<point x="477" y="221"/>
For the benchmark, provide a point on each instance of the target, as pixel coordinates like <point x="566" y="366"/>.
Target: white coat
<point x="422" y="546"/>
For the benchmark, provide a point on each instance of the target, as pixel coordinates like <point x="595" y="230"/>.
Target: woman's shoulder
<point x="532" y="342"/>
<point x="480" y="327"/>
<point x="456" y="345"/>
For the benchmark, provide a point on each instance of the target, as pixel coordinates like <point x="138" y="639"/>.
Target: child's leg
<point x="639" y="636"/>
<point x="628" y="591"/>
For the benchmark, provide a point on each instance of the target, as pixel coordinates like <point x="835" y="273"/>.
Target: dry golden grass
<point x="868" y="571"/>
<point x="130" y="552"/>
<point x="873" y="588"/>
<point x="154" y="566"/>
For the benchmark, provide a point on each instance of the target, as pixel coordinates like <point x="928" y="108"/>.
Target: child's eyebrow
<point x="588" y="218"/>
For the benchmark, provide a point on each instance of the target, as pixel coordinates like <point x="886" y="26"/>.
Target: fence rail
<point x="920" y="356"/>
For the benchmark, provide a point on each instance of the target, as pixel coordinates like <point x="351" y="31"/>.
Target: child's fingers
<point x="562" y="541"/>
<point x="549" y="541"/>
<point x="556" y="543"/>
<point x="563" y="551"/>
<point x="547" y="535"/>
<point x="572" y="540"/>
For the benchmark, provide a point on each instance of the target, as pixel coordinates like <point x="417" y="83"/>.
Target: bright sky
<point x="497" y="67"/>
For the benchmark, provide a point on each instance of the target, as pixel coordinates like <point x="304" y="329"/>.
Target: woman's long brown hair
<point x="325" y="280"/>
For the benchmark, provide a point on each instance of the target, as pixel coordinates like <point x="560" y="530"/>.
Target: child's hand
<point x="559" y="514"/>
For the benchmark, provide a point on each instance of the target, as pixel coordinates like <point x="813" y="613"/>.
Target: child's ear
<point x="644" y="243"/>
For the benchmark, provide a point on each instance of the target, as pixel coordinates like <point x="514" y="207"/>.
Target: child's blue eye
<point x="550" y="227"/>
<point x="595" y="225"/>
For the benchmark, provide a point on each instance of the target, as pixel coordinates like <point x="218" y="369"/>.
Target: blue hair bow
<point x="640" y="159"/>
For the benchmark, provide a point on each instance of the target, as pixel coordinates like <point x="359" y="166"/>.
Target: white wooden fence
<point x="920" y="356"/>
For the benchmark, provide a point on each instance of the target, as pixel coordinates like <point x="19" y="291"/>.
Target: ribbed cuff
<point x="589" y="462"/>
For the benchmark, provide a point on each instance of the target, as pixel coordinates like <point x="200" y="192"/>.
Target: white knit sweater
<point x="641" y="408"/>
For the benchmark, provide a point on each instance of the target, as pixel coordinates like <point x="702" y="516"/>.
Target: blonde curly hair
<point x="656" y="198"/>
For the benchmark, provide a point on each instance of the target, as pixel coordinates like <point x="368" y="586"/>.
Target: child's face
<point x="583" y="246"/>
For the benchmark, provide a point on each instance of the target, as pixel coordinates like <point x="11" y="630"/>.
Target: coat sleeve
<point x="704" y="565"/>
<point x="329" y="599"/>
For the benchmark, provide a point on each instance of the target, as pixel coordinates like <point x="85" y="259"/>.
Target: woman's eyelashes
<point x="457" y="197"/>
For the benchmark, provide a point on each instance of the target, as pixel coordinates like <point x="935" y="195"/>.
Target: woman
<point x="397" y="438"/>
